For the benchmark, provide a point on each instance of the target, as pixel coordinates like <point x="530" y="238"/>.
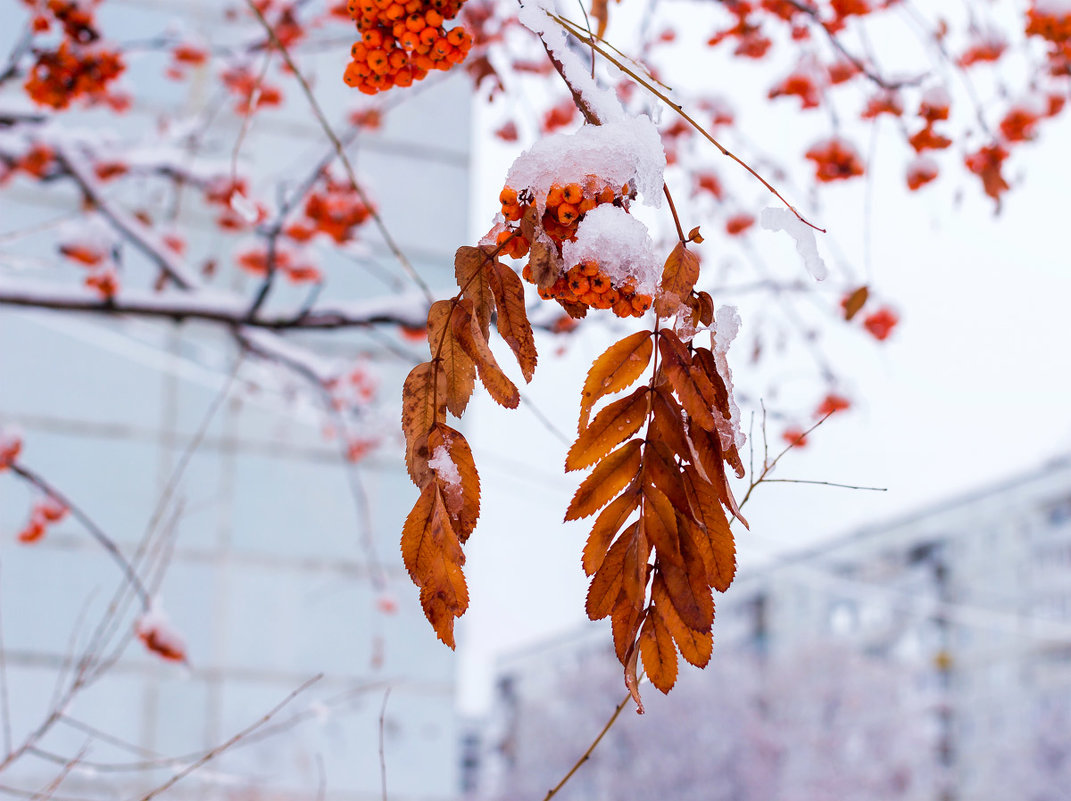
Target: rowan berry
<point x="567" y="213"/>
<point x="555" y="196"/>
<point x="572" y="194"/>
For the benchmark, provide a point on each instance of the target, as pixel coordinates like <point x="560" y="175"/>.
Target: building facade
<point x="221" y="476"/>
<point x="935" y="651"/>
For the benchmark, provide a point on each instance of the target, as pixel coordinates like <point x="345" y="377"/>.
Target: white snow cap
<point x="602" y="100"/>
<point x="626" y="151"/>
<point x="726" y="327"/>
<point x="619" y="243"/>
<point x="774" y="219"/>
<point x="444" y="466"/>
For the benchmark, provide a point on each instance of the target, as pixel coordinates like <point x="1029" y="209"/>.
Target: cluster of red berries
<point x="585" y="284"/>
<point x="402" y="41"/>
<point x="61" y="75"/>
<point x="1048" y="23"/>
<point x="335" y="210"/>
<point x="45" y="512"/>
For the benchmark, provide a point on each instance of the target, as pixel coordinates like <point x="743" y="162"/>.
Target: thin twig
<point x="94" y="530"/>
<point x="577" y="33"/>
<point x="822" y="483"/>
<point x="382" y="751"/>
<point x="350" y="172"/>
<point x="587" y="754"/>
<point x="210" y="755"/>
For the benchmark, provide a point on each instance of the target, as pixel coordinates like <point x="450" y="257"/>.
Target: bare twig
<point x="382" y="749"/>
<point x="591" y="748"/>
<point x="94" y="530"/>
<point x="822" y="483"/>
<point x="215" y="752"/>
<point x="578" y="33"/>
<point x="340" y="150"/>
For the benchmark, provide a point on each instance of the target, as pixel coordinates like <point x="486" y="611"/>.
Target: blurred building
<point x="958" y="620"/>
<point x="275" y="557"/>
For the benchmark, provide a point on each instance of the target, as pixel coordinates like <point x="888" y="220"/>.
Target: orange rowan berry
<point x="526" y="273"/>
<point x="398" y="59"/>
<point x="601" y="301"/>
<point x="433" y="17"/>
<point x="579" y="284"/>
<point x="606" y="195"/>
<point x="508" y="196"/>
<point x="555" y="196"/>
<point x="458" y="37"/>
<point x="395" y="11"/>
<point x="404" y="77"/>
<point x="372" y="38"/>
<point x="572" y="194"/>
<point x="641" y="303"/>
<point x="547" y="294"/>
<point x="589" y="298"/>
<point x="377" y="60"/>
<point x="409" y="40"/>
<point x="599" y="283"/>
<point x="429" y="35"/>
<point x="622" y="308"/>
<point x="415" y="23"/>
<point x="586" y="205"/>
<point x="567" y="213"/>
<point x="399" y="29"/>
<point x="359" y="51"/>
<point x="589" y="268"/>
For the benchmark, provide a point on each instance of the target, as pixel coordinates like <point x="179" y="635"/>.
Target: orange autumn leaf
<point x="470" y="336"/>
<point x="433" y="557"/>
<point x="611" y="426"/>
<point x="617" y="368"/>
<point x="607" y="524"/>
<point x="423" y="405"/>
<point x="513" y="324"/>
<point x="608" y="478"/>
<point x="472" y="269"/>
<point x="450" y="459"/>
<point x="658" y="653"/>
<point x="679" y="275"/>
<point x="695" y="646"/>
<point x="458" y="369"/>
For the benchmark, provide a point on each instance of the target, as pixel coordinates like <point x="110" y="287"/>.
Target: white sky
<point x="973" y="386"/>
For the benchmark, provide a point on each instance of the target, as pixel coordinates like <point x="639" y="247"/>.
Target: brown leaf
<point x="513" y="322"/>
<point x="607" y="524"/>
<point x="660" y="469"/>
<point x="450" y="459"/>
<point x="660" y="524"/>
<point x="707" y="507"/>
<point x="544" y="260"/>
<point x="625" y="622"/>
<point x="634" y="567"/>
<point x="472" y="269"/>
<point x="632" y="681"/>
<point x="433" y="556"/>
<point x="423" y="405"/>
<point x="458" y="368"/>
<point x="658" y="654"/>
<point x="855" y="302"/>
<point x="606" y="584"/>
<point x="707" y="457"/>
<point x="706" y="308"/>
<point x="691" y="598"/>
<point x="667" y="424"/>
<point x="695" y="646"/>
<point x="577" y="311"/>
<point x="677" y="364"/>
<point x="617" y="368"/>
<point x="469" y="335"/>
<point x="612" y="426"/>
<point x="679" y="275"/>
<point x="608" y="478"/>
